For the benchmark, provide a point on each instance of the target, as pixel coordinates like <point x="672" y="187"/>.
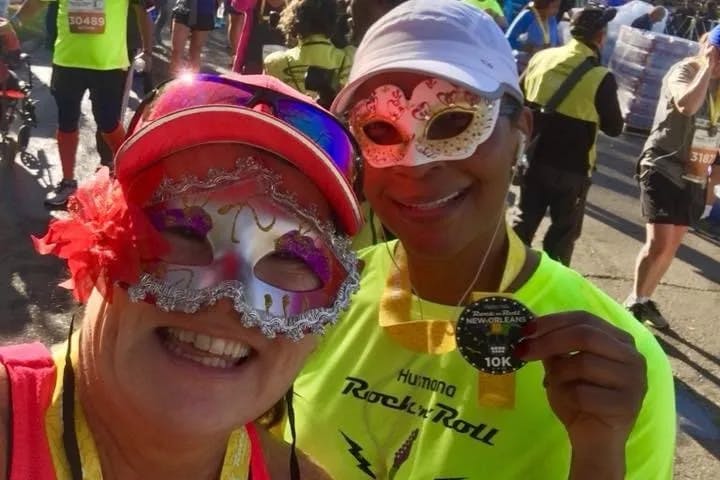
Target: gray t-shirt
<point x="668" y="146"/>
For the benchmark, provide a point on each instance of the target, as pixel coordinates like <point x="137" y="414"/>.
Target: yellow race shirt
<point x="368" y="408"/>
<point x="92" y="34"/>
<point x="291" y="65"/>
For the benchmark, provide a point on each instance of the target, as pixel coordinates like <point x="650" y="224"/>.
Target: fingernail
<point x="521" y="349"/>
<point x="529" y="328"/>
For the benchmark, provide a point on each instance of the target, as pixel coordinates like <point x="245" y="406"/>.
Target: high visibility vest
<point x="549" y="68"/>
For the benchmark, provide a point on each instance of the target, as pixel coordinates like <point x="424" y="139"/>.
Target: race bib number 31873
<point x="86" y="16"/>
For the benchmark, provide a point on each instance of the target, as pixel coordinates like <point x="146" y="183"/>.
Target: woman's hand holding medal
<point x="596" y="382"/>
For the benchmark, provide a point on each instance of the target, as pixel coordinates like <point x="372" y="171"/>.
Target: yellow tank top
<point x="237" y="456"/>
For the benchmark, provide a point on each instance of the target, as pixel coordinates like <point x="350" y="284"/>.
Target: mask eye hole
<point x="448" y="125"/>
<point x="287" y="272"/>
<point x="187" y="247"/>
<point x="383" y="133"/>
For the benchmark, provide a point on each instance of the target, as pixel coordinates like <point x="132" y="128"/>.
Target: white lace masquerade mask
<point x="232" y="221"/>
<point x="439" y="122"/>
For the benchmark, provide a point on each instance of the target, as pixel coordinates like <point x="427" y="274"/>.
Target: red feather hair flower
<point x="104" y="239"/>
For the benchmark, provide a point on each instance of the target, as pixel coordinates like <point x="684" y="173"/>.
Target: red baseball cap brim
<point x="208" y="124"/>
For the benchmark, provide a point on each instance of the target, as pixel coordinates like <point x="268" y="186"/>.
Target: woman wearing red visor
<point x="207" y="268"/>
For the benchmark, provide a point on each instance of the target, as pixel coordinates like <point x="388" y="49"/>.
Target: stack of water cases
<point x="639" y="61"/>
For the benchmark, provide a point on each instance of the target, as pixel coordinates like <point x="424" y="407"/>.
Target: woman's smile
<point x="206" y="350"/>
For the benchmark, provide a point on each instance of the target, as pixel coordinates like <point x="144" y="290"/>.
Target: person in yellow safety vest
<point x="559" y="174"/>
<point x="315" y="66"/>
<point x="492" y="8"/>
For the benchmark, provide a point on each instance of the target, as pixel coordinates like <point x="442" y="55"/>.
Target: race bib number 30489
<point x="86" y="16"/>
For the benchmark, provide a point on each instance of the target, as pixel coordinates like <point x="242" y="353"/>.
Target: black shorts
<point x="203" y="23"/>
<point x="107" y="87"/>
<point x="664" y="202"/>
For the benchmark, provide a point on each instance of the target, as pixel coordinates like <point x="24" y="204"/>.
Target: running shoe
<point x="648" y="312"/>
<point x="59" y="196"/>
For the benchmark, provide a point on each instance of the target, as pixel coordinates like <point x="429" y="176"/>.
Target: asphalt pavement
<point x="35" y="308"/>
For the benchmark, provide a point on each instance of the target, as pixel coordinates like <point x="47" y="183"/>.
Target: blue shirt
<point x="526" y="23"/>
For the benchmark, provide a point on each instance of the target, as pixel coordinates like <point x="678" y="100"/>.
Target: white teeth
<point x="215" y="362"/>
<point x="217" y="346"/>
<point x="224" y="353"/>
<point x="434" y="203"/>
<point x="203" y="342"/>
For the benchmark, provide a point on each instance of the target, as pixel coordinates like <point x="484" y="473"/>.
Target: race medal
<point x="86" y="16"/>
<point x="489" y="330"/>
<point x="706" y="141"/>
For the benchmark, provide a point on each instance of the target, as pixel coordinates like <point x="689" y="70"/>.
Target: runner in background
<point x="193" y="20"/>
<point x="235" y="25"/>
<point x="315" y="66"/>
<point x="164" y="8"/>
<point x="560" y="172"/>
<point x="135" y="47"/>
<point x="366" y="12"/>
<point x="260" y="34"/>
<point x="90" y="53"/>
<point x="647" y="20"/>
<point x="705" y="224"/>
<point x="492" y="8"/>
<point x="434" y="103"/>
<point x="534" y="29"/>
<point x="674" y="167"/>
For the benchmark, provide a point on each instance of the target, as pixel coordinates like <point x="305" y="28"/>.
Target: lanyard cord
<point x="544" y="26"/>
<point x="69" y="435"/>
<point x="294" y="465"/>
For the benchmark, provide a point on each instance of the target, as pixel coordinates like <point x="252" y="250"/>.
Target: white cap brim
<point x="485" y="85"/>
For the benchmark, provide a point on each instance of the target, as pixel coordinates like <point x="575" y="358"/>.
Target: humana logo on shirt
<point x="439" y="413"/>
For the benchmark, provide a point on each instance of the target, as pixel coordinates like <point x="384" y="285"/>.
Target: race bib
<point x="86" y="16"/>
<point x="705" y="144"/>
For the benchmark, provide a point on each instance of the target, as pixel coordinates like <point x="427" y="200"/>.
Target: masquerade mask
<point x="439" y="122"/>
<point x="203" y="89"/>
<point x="222" y="228"/>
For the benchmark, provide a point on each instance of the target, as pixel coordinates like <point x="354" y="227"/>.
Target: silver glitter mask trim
<point x="189" y="300"/>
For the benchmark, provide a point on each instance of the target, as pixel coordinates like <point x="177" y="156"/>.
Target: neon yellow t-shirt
<point x="291" y="65"/>
<point x="486" y="5"/>
<point x="369" y="408"/>
<point x="94" y="51"/>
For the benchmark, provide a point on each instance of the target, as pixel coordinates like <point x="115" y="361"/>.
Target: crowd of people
<point x="233" y="326"/>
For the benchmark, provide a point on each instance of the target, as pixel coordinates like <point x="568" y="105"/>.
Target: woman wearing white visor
<point x="466" y="354"/>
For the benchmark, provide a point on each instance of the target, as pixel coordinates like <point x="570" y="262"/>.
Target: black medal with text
<point x="489" y="330"/>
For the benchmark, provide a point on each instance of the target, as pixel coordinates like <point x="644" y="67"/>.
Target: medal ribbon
<point x="544" y="26"/>
<point x="399" y="309"/>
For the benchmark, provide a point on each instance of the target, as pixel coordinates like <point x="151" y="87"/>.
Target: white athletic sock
<point x="633" y="299"/>
<point x="706" y="212"/>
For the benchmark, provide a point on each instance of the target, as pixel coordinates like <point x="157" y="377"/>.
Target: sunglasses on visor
<point x="318" y="125"/>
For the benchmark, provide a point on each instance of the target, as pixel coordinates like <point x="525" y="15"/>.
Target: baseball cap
<point x="590" y="20"/>
<point x="446" y="39"/>
<point x="203" y="109"/>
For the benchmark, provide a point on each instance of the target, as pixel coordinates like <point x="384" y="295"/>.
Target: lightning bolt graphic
<point x="356" y="451"/>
